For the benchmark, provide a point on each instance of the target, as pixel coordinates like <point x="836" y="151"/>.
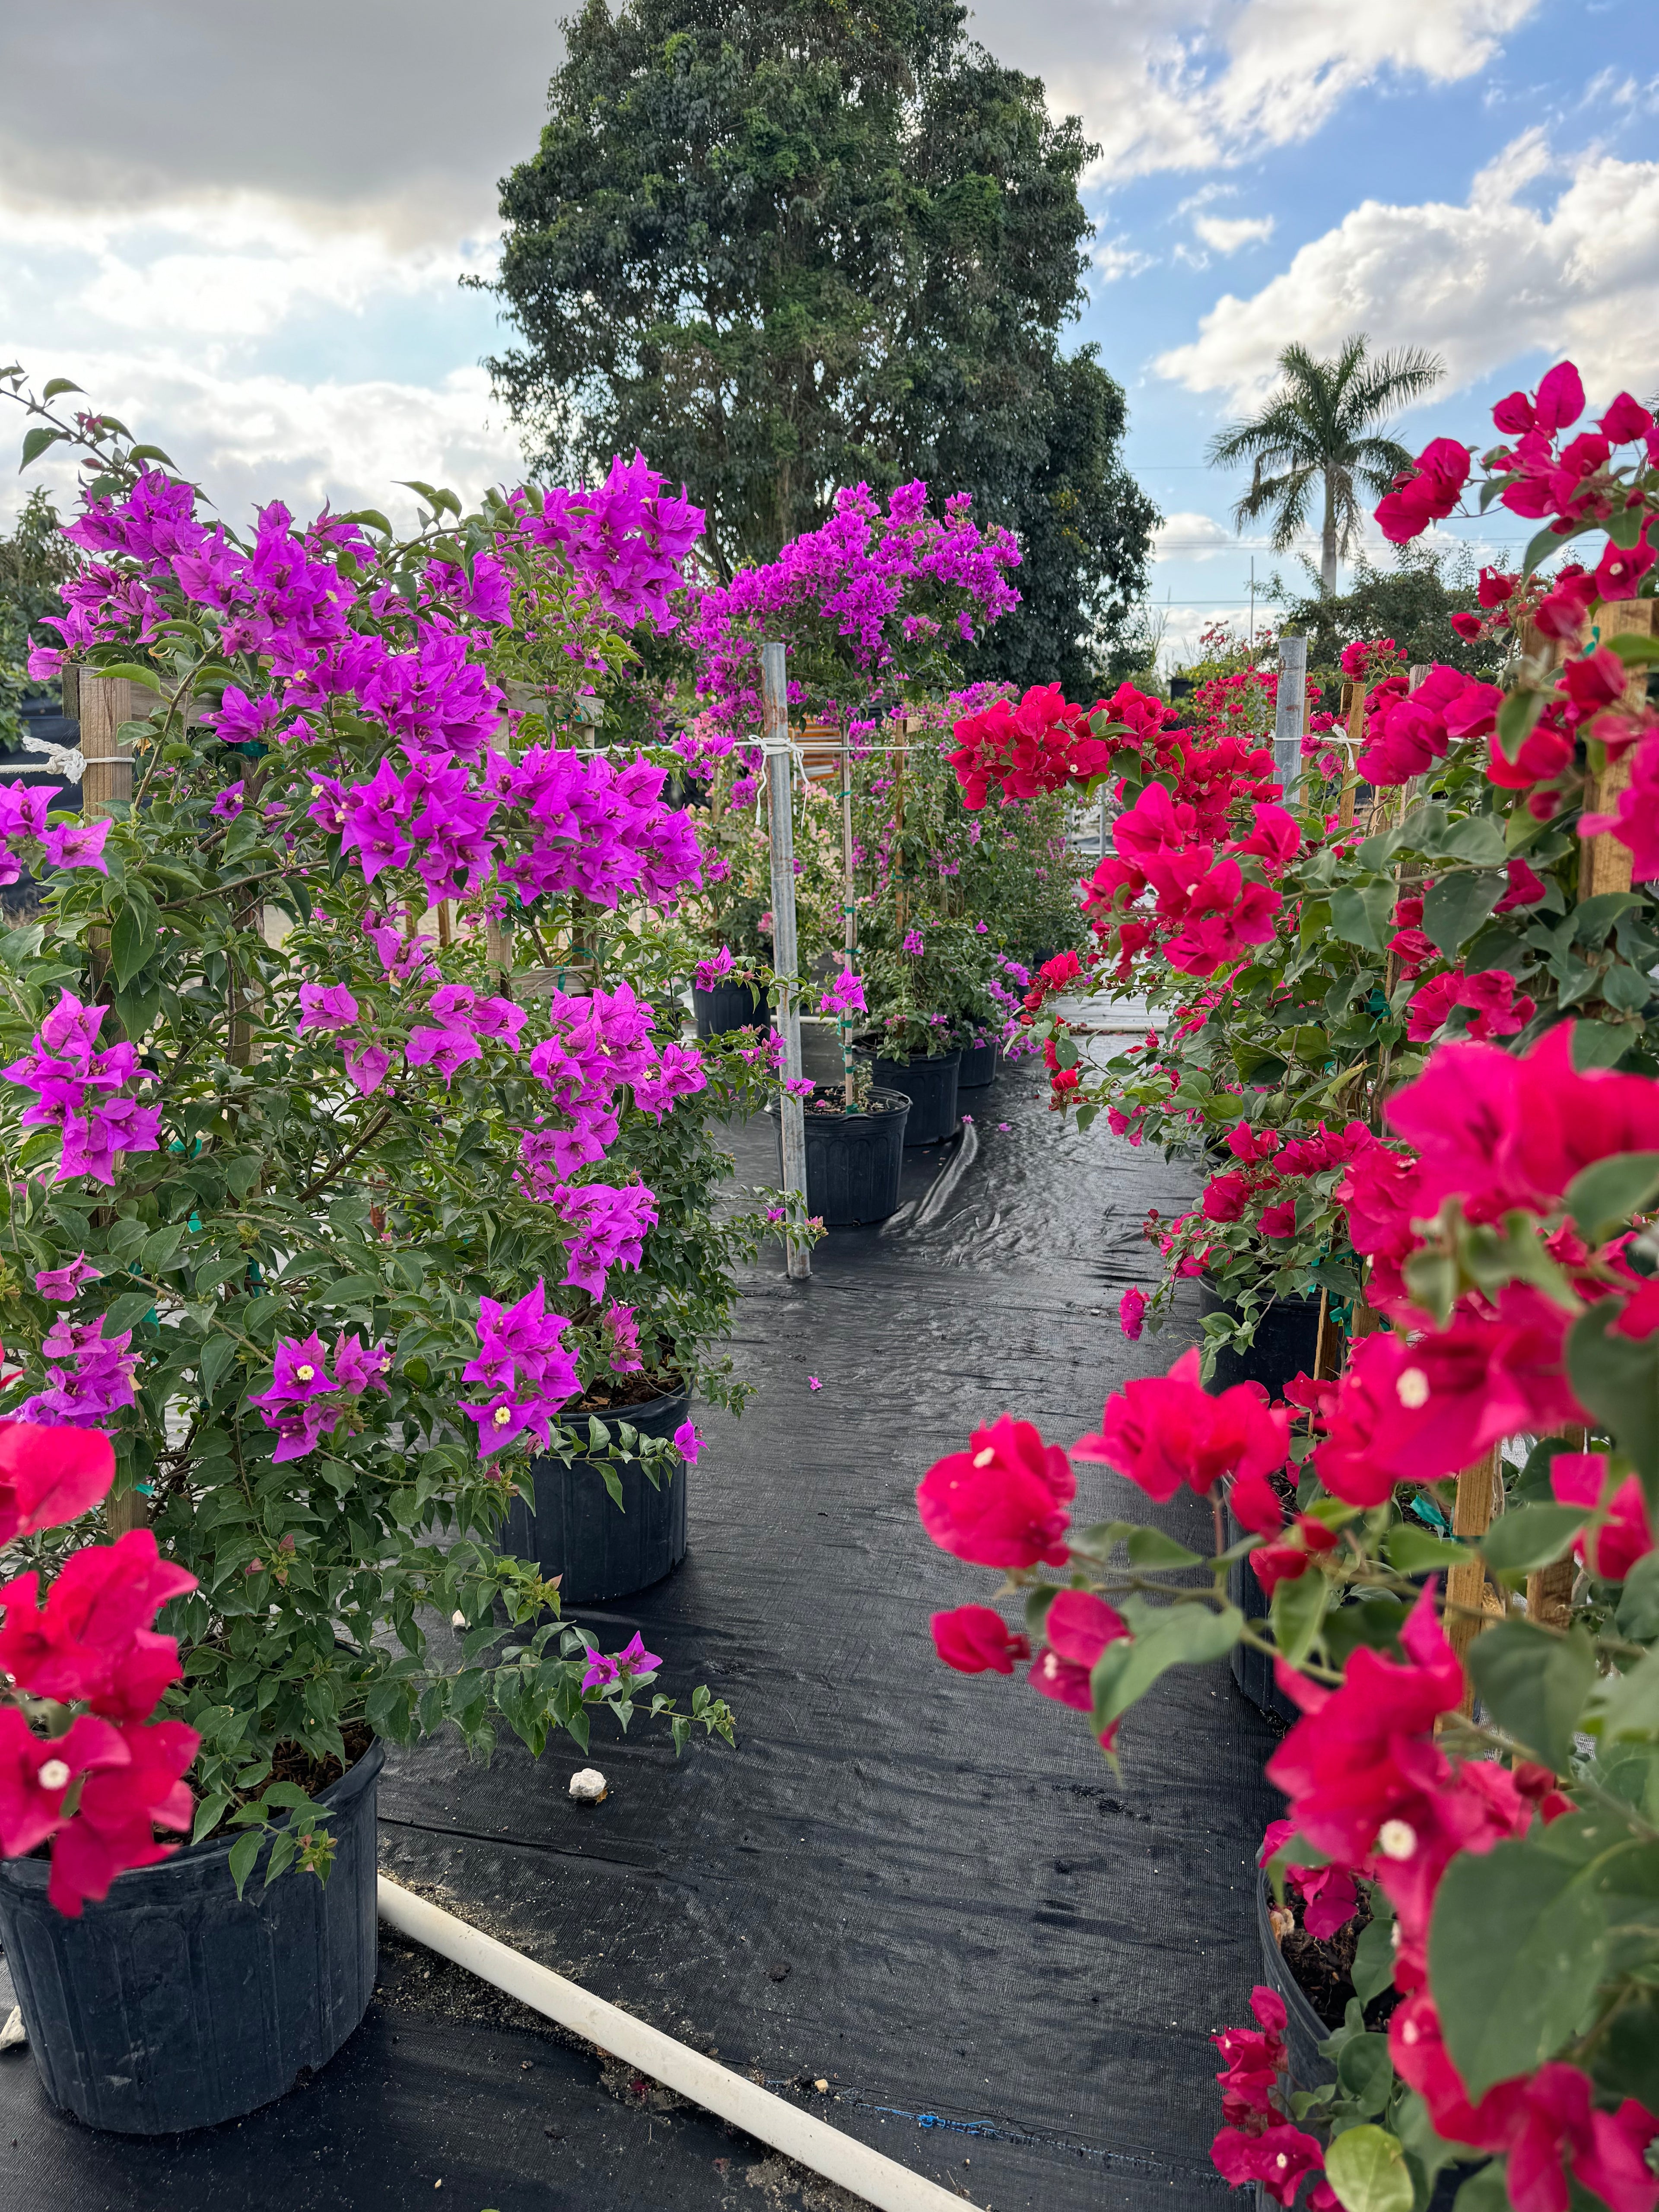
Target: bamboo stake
<point x="1605" y="863"/>
<point x="1354" y="702"/>
<point x="1466" y="1584"/>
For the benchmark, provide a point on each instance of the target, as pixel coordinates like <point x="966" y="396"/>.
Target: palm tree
<point x="1326" y="420"/>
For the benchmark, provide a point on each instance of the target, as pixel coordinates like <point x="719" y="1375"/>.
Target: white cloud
<point x="1482" y="283"/>
<point x="1189" y="533"/>
<point x="249" y="437"/>
<point x="1226" y="233"/>
<point x="1184" y="84"/>
<point x="1116" y="258"/>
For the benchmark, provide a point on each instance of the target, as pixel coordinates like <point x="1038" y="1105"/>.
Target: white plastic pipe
<point x="811" y="2142"/>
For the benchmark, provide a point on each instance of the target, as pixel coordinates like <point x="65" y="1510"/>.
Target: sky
<point x="242" y="229"/>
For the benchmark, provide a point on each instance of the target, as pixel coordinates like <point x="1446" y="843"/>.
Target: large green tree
<point x="783" y="247"/>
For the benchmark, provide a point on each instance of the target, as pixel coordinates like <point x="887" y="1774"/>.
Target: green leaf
<point x="1485" y="2192"/>
<point x="1628" y="2060"/>
<point x="127" y="1311"/>
<point x="1373" y="1960"/>
<point x="1618" y="1382"/>
<point x="1633" y="649"/>
<point x="1534" y="1684"/>
<point x="1363" y="917"/>
<point x="1515" y="720"/>
<point x="1478" y="839"/>
<point x="1413" y="1551"/>
<point x="159" y="1248"/>
<point x="1151" y="1548"/>
<point x="1533" y="1537"/>
<point x="218" y="1356"/>
<point x="35" y="443"/>
<point x="54" y="385"/>
<point x="1366" y="2071"/>
<point x="1175" y="1635"/>
<point x="1638" y="1608"/>
<point x="1366" y="2167"/>
<point x="208" y="1813"/>
<point x="1298" y="1611"/>
<point x="243" y="1853"/>
<point x="132" y="940"/>
<point x="1602" y="1198"/>
<point x="1628" y="1705"/>
<point x="1549" y="540"/>
<point x="1515" y="1950"/>
<point x="1456" y="906"/>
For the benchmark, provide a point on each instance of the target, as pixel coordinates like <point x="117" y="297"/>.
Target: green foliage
<point x="35" y="562"/>
<point x="785" y="248"/>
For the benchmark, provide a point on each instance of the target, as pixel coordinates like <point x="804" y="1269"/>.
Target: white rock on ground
<point x="13" y="2035"/>
<point x="588" y="1786"/>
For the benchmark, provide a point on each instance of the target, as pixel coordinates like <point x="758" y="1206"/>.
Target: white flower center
<point x="306" y="1374"/>
<point x="1413" y="1388"/>
<point x="1050" y="1665"/>
<point x="1396" y="1840"/>
<point x="984" y="1458"/>
<point x="54" y="1775"/>
<point x="502" y="1416"/>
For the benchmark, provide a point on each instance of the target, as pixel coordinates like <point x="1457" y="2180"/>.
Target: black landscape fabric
<point x="926" y="1891"/>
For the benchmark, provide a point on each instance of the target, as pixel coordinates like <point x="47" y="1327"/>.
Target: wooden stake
<point x="1289" y="714"/>
<point x="1605" y="863"/>
<point x="1466" y="1584"/>
<point x="1354" y="702"/>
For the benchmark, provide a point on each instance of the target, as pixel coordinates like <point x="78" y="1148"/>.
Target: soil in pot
<point x="173" y="2004"/>
<point x="853" y="1161"/>
<point x="576" y="1532"/>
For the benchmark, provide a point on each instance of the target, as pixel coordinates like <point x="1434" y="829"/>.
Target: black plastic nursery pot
<point x="979" y="1065"/>
<point x="576" y="1532"/>
<point x="931" y="1087"/>
<point x="727" y="1007"/>
<point x="1304" y="2031"/>
<point x="1287" y="1341"/>
<point x="174" y="2004"/>
<point x="855" y="1161"/>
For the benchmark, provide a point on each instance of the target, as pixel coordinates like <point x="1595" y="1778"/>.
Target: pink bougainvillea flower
<point x="230" y="803"/>
<point x="1001" y="1503"/>
<point x="78" y="845"/>
<point x="35" y="1774"/>
<point x="1420" y="2058"/>
<point x="813" y="1383"/>
<point x="63" y="1285"/>
<point x="367" y="1065"/>
<point x="92" y="1640"/>
<point x="709" y="971"/>
<point x="1132" y="1313"/>
<point x="688" y="1443"/>
<point x="1279" y="1220"/>
<point x="121" y="1806"/>
<point x="1625" y="1536"/>
<point x="974" y="1639"/>
<point x="1489" y="1001"/>
<point x="1256" y="1503"/>
<point x="1076" y="1630"/>
<point x="1279" y="2158"/>
<point x="49" y="1475"/>
<point x="1162" y="1430"/>
<point x="326" y="1006"/>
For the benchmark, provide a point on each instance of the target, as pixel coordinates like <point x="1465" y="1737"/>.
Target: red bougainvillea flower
<point x="1162" y="1431"/>
<point x="1422" y="2061"/>
<point x="1329" y="1899"/>
<point x="1443" y="469"/>
<point x="1625" y="1537"/>
<point x="1255" y="2062"/>
<point x="1225" y="1197"/>
<point x="50" y="1475"/>
<point x="1526" y="889"/>
<point x="1281" y="2159"/>
<point x="35" y="1774"/>
<point x="1077" y="1629"/>
<point x="1132" y="1313"/>
<point x="113" y="1827"/>
<point x="1635" y="822"/>
<point x="976" y="1640"/>
<point x="1416" y="1411"/>
<point x="1279" y="1220"/>
<point x="1001" y="1503"/>
<point x="1256" y="1503"/>
<point x="91" y="1639"/>
<point x="1499" y="1132"/>
<point x="1223" y="915"/>
<point x="1250" y="1145"/>
<point x="1489" y="999"/>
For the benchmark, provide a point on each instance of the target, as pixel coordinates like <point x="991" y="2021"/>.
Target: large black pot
<point x="728" y="1007"/>
<point x="1286" y="1342"/>
<point x="1304" y="2031"/>
<point x="853" y="1162"/>
<point x="1253" y="1671"/>
<point x="1286" y="1345"/>
<point x="575" y="1531"/>
<point x="979" y="1065"/>
<point x="173" y="2004"/>
<point x="931" y="1087"/>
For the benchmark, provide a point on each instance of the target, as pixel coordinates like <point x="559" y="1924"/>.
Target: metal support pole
<point x="849" y="909"/>
<point x="775" y="747"/>
<point x="1289" y="710"/>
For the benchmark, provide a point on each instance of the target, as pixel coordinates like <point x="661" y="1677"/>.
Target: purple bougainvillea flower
<point x="230" y="803"/>
<point x="688" y="1443"/>
<point x="60" y="1284"/>
<point x="78" y="845"/>
<point x="710" y="971"/>
<point x="367" y="1065"/>
<point x="634" y="1659"/>
<point x="813" y="1383"/>
<point x="326" y="1006"/>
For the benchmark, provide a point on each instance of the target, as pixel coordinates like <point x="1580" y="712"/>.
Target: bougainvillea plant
<point x="1435" y="881"/>
<point x="330" y="1068"/>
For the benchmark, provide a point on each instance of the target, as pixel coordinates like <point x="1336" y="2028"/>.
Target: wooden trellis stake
<point x="1466" y="1584"/>
<point x="1605" y="863"/>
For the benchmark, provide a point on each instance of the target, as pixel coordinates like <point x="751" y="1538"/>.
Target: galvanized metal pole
<point x="775" y="747"/>
<point x="1289" y="710"/>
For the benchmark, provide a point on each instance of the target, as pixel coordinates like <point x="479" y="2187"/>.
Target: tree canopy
<point x="782" y="249"/>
